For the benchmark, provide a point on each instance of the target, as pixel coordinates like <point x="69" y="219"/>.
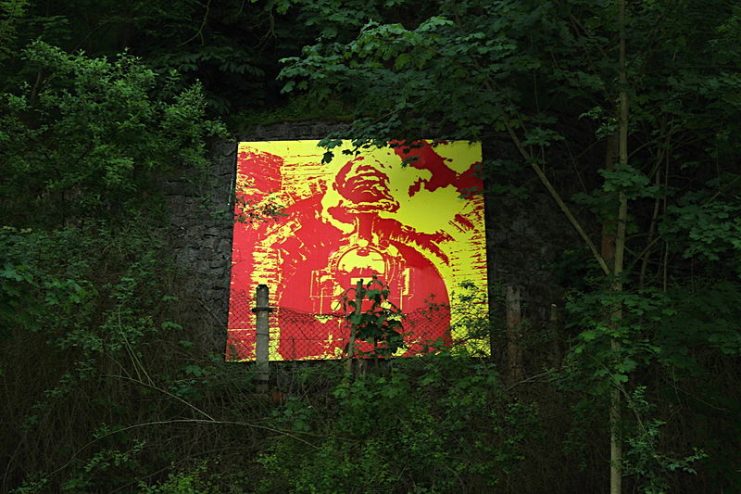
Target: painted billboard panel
<point x="410" y="214"/>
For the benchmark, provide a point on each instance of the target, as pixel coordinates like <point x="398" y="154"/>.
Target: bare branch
<point x="557" y="197"/>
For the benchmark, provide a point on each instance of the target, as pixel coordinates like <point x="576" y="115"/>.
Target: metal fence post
<point x="262" y="341"/>
<point x="514" y="335"/>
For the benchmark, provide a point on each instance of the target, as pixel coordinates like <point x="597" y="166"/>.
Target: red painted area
<point x="422" y="155"/>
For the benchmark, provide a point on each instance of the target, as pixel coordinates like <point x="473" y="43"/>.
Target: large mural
<point x="410" y="214"/>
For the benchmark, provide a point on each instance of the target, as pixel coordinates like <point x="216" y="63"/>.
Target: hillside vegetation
<point x="624" y="114"/>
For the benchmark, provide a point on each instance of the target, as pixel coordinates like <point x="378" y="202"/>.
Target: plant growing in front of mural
<point x="258" y="211"/>
<point x="375" y="322"/>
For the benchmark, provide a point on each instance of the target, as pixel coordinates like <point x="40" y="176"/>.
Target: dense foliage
<point x="106" y="384"/>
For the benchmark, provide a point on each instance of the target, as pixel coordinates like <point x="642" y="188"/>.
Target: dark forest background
<point x="622" y="373"/>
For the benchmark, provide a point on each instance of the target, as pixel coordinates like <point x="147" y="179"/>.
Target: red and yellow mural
<point x="411" y="214"/>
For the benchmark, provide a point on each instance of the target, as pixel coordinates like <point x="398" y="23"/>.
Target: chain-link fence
<point x="299" y="335"/>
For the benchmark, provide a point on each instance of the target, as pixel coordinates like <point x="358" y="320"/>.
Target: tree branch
<point x="557" y="197"/>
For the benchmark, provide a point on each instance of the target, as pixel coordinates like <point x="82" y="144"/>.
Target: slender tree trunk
<point x="554" y="324"/>
<point x="616" y="448"/>
<point x="607" y="243"/>
<point x="608" y="250"/>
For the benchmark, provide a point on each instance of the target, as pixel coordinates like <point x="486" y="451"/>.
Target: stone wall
<point x="201" y="228"/>
<point x="525" y="237"/>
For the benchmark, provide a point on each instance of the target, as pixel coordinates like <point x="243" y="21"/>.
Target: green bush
<point x="433" y="424"/>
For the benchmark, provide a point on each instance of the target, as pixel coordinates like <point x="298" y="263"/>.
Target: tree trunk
<point x="616" y="448"/>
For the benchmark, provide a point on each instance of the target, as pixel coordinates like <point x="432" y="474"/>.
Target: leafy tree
<point x="85" y="130"/>
<point x="84" y="148"/>
<point x="231" y="47"/>
<point x="557" y="76"/>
